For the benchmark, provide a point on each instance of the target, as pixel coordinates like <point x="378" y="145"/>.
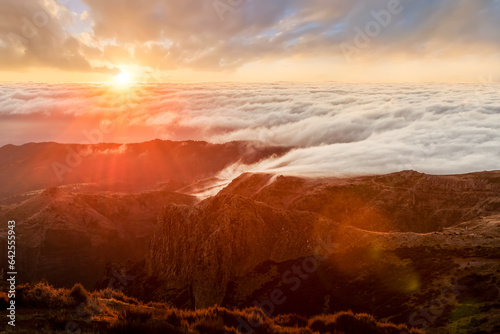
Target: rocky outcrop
<point x="207" y="246"/>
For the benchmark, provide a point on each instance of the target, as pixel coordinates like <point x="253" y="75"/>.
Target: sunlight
<point x="123" y="79"/>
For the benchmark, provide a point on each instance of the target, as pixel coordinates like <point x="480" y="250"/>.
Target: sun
<point x="123" y="79"/>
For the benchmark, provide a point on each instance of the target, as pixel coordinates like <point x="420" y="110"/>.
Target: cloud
<point x="193" y="34"/>
<point x="337" y="129"/>
<point x="196" y="37"/>
<point x="34" y="34"/>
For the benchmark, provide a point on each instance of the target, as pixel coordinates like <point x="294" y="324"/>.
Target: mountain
<point x="69" y="237"/>
<point x="262" y="242"/>
<point x="406" y="247"/>
<point x="119" y="167"/>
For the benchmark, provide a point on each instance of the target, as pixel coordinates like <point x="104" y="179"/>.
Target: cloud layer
<point x="338" y="129"/>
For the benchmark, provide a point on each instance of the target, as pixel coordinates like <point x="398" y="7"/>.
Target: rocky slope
<point x="295" y="245"/>
<point x="442" y="282"/>
<point x="69" y="237"/>
<point x="405" y="201"/>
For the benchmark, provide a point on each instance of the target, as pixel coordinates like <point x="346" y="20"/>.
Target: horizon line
<point x="134" y="83"/>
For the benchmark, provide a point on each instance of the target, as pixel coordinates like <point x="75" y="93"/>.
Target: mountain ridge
<point x="129" y="167"/>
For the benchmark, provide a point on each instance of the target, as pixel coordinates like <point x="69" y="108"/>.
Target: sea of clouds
<point x="337" y="129"/>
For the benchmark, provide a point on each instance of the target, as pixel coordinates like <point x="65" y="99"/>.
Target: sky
<point x="249" y="40"/>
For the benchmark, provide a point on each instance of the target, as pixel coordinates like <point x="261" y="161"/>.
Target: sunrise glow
<point x="123" y="79"/>
<point x="305" y="41"/>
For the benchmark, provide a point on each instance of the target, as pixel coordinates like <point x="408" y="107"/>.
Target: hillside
<point x="69" y="237"/>
<point x="211" y="244"/>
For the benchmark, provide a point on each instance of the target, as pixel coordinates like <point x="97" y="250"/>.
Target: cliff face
<point x="211" y="244"/>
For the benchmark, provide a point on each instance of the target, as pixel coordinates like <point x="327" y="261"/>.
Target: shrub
<point x="230" y="318"/>
<point x="78" y="294"/>
<point x="360" y="323"/>
<point x="351" y="323"/>
<point x="95" y="306"/>
<point x="256" y="318"/>
<point x="318" y="325"/>
<point x="173" y="318"/>
<point x="291" y="320"/>
<point x="159" y="318"/>
<point x="292" y="330"/>
<point x="41" y="295"/>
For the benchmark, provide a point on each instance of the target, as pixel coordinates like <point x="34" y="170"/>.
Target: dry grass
<point x="118" y="314"/>
<point x="43" y="295"/>
<point x="349" y="322"/>
<point x="117" y="295"/>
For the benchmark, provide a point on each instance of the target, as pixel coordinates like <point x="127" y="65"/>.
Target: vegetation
<point x="78" y="294"/>
<point x="347" y="322"/>
<point x="117" y="295"/>
<point x="108" y="311"/>
<point x="42" y="295"/>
